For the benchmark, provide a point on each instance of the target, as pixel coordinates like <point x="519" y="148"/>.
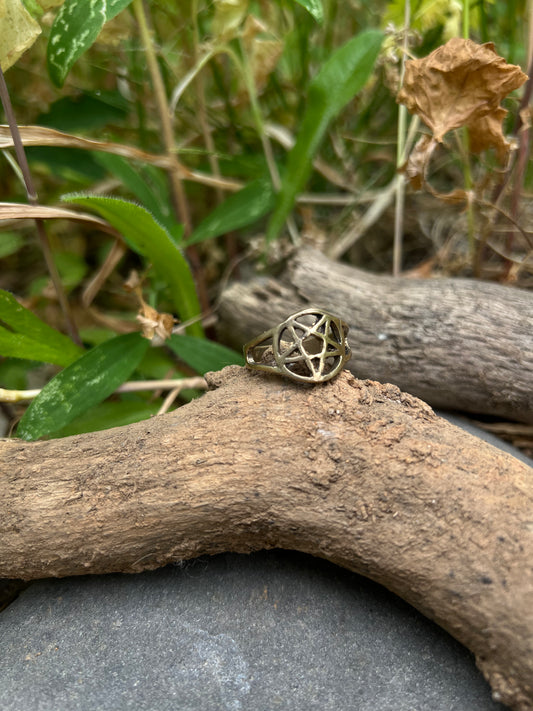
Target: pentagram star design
<point x="309" y="346"/>
<point x="304" y="341"/>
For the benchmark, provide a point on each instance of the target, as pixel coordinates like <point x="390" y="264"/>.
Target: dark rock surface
<point x="273" y="630"/>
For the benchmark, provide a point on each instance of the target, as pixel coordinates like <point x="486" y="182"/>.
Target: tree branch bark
<point x="458" y="344"/>
<point x="352" y="471"/>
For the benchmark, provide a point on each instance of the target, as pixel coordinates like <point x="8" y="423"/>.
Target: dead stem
<point x="33" y="200"/>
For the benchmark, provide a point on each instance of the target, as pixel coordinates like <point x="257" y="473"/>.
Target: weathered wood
<point x="352" y="471"/>
<point x="458" y="344"/>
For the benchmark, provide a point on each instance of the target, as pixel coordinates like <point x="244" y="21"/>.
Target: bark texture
<point x="458" y="344"/>
<point x="352" y="471"/>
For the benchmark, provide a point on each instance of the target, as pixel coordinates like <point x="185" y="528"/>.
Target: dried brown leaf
<point x="462" y="84"/>
<point x="156" y="326"/>
<point x="416" y="167"/>
<point x="486" y="132"/>
<point x="264" y="58"/>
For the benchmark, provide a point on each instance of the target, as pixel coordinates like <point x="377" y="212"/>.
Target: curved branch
<point x="352" y="471"/>
<point x="458" y="344"/>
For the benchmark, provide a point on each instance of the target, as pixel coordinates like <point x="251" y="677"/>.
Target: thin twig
<point x="362" y="224"/>
<point x="202" y="106"/>
<point x="17" y="395"/>
<point x="135" y="386"/>
<point x="33" y="200"/>
<point x="264" y="138"/>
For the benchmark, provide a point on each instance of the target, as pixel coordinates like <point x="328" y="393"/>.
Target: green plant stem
<point x="265" y="141"/>
<point x="400" y="155"/>
<point x="258" y="119"/>
<point x="177" y="191"/>
<point x="202" y="108"/>
<point x="467" y="170"/>
<point x="33" y="200"/>
<point x="466" y="19"/>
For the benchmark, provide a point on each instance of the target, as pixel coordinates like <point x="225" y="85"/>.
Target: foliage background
<point x="206" y="100"/>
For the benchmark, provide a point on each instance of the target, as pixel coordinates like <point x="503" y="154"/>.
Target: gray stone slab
<point x="273" y="630"/>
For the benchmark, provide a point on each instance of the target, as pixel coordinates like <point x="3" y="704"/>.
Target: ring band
<point x="310" y="346"/>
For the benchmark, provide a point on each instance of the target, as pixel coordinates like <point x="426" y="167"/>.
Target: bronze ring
<point x="310" y="347"/>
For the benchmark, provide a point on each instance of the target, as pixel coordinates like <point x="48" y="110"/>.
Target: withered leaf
<point x="22" y="211"/>
<point x="416" y="167"/>
<point x="487" y="133"/>
<point x="156" y="326"/>
<point x="462" y="84"/>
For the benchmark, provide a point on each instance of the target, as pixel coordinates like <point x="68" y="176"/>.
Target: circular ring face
<point x="310" y="347"/>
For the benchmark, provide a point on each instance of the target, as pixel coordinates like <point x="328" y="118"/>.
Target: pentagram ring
<point x="309" y="347"/>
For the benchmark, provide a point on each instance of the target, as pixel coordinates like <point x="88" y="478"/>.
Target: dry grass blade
<point x="114" y="256"/>
<point x="41" y="136"/>
<point x="370" y="217"/>
<point x="20" y="211"/>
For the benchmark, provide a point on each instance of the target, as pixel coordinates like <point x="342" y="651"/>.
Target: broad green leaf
<point x="84" y="383"/>
<point x="202" y="355"/>
<point x="24" y="335"/>
<point x="137" y="180"/>
<point x="339" y="80"/>
<point x="75" y="28"/>
<point x="73" y="166"/>
<point x="157" y="364"/>
<point x="313" y="7"/>
<point x="239" y="210"/>
<point x="147" y="237"/>
<point x="85" y="111"/>
<point x="109" y="414"/>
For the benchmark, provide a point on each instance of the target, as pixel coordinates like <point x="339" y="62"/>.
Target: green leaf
<point x="339" y="80"/>
<point x="148" y="238"/>
<point x="75" y="28"/>
<point x="85" y="111"/>
<point x="85" y="383"/>
<point x="72" y="165"/>
<point x="109" y="414"/>
<point x="313" y="7"/>
<point x="202" y="355"/>
<point x="239" y="210"/>
<point x="137" y="180"/>
<point x="23" y="335"/>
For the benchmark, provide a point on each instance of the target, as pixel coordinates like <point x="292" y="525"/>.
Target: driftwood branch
<point x="352" y="471"/>
<point x="458" y="344"/>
